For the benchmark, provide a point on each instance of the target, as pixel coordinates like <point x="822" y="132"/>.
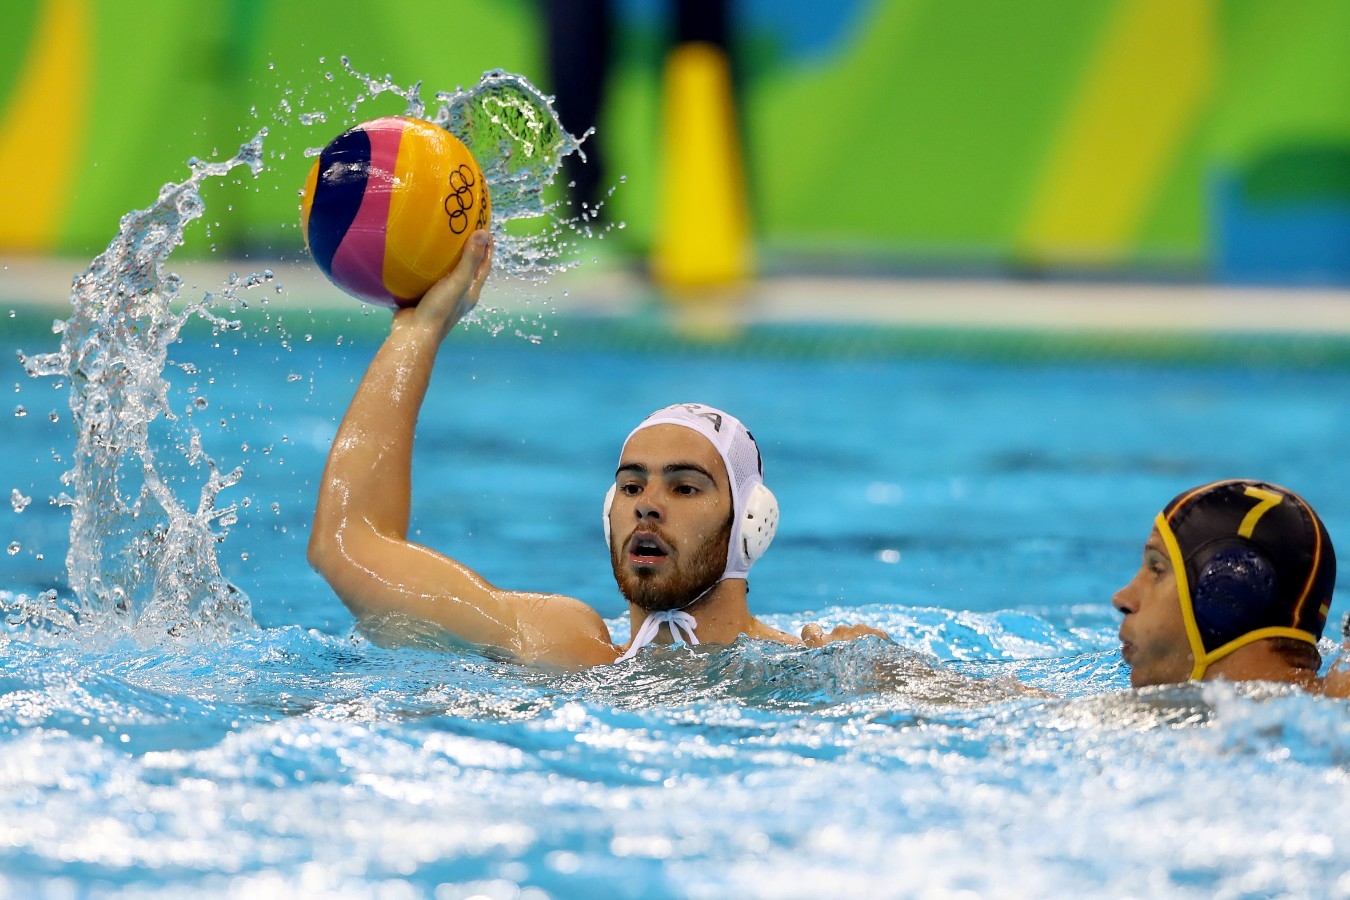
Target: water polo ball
<point x="387" y="208"/>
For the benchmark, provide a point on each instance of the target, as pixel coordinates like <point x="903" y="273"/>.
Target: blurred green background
<point x="1198" y="139"/>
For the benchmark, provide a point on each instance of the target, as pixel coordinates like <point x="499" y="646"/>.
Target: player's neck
<point x="722" y="614"/>
<point x="1259" y="661"/>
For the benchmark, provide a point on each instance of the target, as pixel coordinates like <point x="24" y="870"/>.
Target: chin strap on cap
<point x="677" y="619"/>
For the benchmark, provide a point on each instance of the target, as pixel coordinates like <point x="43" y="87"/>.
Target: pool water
<point x="981" y="512"/>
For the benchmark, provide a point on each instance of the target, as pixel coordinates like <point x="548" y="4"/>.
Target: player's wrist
<point x="413" y="330"/>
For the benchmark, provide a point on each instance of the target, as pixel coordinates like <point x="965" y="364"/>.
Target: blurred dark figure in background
<point x="580" y="41"/>
<point x="580" y="36"/>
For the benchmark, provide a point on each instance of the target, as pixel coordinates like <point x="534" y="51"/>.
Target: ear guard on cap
<point x="604" y="514"/>
<point x="1235" y="587"/>
<point x="759" y="522"/>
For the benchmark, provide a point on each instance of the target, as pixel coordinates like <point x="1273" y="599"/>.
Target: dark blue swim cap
<point x="1252" y="561"/>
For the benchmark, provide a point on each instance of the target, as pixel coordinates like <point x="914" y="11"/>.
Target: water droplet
<point x="200" y="402"/>
<point x="18" y="500"/>
<point x="20" y="412"/>
<point x="14" y="548"/>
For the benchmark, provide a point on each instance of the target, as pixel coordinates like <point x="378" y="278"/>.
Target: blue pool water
<point x="981" y="512"/>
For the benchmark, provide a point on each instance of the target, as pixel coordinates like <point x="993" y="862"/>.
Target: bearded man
<point x="687" y="516"/>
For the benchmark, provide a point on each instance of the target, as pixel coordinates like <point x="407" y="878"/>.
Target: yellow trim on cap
<point x="1183" y="594"/>
<point x="1251" y="637"/>
<point x="1316" y="566"/>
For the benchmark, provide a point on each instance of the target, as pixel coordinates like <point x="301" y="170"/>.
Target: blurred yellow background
<point x="1198" y="139"/>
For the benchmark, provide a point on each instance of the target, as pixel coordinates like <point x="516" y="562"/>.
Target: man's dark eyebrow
<point x="676" y="468"/>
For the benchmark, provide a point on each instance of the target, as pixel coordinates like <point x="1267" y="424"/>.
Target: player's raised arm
<point x="359" y="540"/>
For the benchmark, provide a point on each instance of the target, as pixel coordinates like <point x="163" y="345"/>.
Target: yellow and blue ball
<point x="388" y="206"/>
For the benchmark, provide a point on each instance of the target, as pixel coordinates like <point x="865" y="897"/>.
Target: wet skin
<point x="1153" y="634"/>
<point x="676" y="499"/>
<point x="671" y="517"/>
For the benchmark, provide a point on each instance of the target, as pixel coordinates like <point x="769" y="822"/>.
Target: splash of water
<point x="506" y="121"/>
<point x="511" y="128"/>
<point x="138" y="553"/>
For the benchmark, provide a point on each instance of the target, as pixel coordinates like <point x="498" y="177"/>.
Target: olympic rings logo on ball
<point x="461" y="198"/>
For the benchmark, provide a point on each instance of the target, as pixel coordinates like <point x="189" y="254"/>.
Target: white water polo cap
<point x="754" y="517"/>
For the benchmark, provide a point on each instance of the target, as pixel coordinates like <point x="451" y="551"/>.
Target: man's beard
<point x="692" y="576"/>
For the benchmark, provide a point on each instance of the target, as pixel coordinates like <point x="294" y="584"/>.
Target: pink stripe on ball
<point x="358" y="263"/>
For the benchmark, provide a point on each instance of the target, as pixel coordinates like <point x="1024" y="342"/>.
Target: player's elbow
<point x="318" y="551"/>
<point x="325" y="552"/>
<point x="341" y="560"/>
<point x="328" y="535"/>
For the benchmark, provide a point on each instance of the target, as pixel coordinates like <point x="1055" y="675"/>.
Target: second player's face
<point x="1153" y="636"/>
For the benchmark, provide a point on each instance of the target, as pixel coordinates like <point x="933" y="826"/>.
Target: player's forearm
<point x="365" y="495"/>
<point x="368" y="479"/>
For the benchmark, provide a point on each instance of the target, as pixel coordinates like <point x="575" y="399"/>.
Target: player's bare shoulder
<point x="562" y="631"/>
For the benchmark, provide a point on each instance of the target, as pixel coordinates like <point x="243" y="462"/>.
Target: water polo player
<point x="687" y="516"/>
<point x="1236" y="583"/>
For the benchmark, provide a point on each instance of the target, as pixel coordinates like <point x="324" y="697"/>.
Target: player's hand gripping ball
<point x="388" y="206"/>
